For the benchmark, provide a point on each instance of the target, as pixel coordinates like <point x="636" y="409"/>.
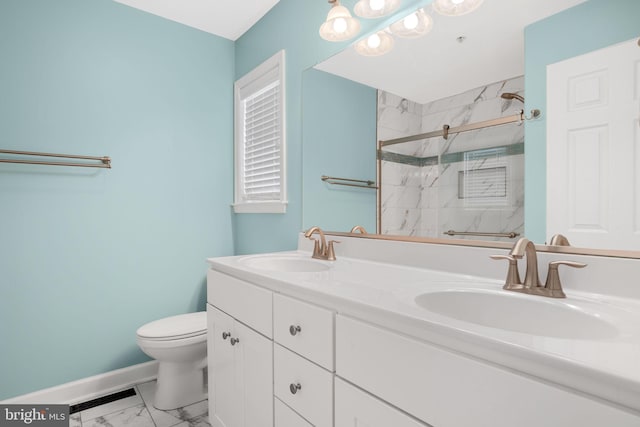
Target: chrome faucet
<point x="321" y="250"/>
<point x="552" y="288"/>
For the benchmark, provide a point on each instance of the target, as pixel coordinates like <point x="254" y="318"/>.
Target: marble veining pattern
<point x="423" y="199"/>
<point x="138" y="411"/>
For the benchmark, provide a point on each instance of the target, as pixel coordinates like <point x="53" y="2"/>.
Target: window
<point x="484" y="180"/>
<point x="260" y="161"/>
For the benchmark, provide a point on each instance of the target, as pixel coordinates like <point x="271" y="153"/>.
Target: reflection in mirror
<point x="339" y="134"/>
<point x="465" y="184"/>
<point x="438" y="67"/>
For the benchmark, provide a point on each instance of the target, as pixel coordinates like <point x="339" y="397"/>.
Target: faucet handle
<point x="513" y="276"/>
<point x="553" y="286"/>
<point x="331" y="253"/>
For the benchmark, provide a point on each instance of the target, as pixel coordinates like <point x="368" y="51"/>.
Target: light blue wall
<point x="291" y="25"/>
<point x="592" y="25"/>
<point x="87" y="256"/>
<point x="339" y="134"/>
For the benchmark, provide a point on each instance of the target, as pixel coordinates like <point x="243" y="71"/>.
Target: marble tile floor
<point x="138" y="411"/>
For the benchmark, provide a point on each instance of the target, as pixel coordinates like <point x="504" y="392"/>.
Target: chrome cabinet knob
<point x="226" y="335"/>
<point x="235" y="341"/>
<point x="294" y="330"/>
<point x="293" y="388"/>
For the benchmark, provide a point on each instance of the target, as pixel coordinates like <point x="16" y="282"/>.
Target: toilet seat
<point x="175" y="327"/>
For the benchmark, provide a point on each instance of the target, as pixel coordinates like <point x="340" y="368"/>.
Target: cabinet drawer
<point x="446" y="389"/>
<point x="314" y="397"/>
<point x="286" y="417"/>
<point x="356" y="408"/>
<point x="246" y="302"/>
<point x="304" y="328"/>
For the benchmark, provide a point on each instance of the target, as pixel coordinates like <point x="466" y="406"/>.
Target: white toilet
<point x="179" y="344"/>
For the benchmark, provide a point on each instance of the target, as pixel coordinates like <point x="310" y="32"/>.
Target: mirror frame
<point x="569" y="250"/>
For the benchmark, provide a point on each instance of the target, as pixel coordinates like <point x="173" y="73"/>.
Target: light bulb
<point x="456" y="7"/>
<point x="411" y="26"/>
<point x="340" y="25"/>
<point x="411" y="21"/>
<point x="375" y="8"/>
<point x="377" y="4"/>
<point x="375" y="45"/>
<point x="374" y="41"/>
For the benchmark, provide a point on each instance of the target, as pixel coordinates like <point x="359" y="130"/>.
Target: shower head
<point x="510" y="95"/>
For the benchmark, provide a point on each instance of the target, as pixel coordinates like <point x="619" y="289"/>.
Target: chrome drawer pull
<point x="226" y="335"/>
<point x="294" y="330"/>
<point x="235" y="341"/>
<point x="293" y="388"/>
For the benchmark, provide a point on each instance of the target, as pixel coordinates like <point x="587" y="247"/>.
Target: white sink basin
<point x="528" y="314"/>
<point x="287" y="264"/>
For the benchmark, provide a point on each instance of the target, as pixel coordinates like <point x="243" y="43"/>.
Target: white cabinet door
<point x="592" y="148"/>
<point x="225" y="409"/>
<point x="254" y="355"/>
<point x="240" y="373"/>
<point x="355" y="408"/>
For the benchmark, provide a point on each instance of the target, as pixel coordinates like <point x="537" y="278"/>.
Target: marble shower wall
<point x="474" y="181"/>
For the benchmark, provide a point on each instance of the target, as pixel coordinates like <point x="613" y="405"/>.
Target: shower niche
<point x="453" y="167"/>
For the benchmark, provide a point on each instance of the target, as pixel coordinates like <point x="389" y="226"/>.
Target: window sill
<point x="260" y="207"/>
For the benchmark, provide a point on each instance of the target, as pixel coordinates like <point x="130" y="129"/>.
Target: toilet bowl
<point x="179" y="344"/>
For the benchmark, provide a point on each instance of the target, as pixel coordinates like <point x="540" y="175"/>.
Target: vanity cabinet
<point x="446" y="389"/>
<point x="286" y="417"/>
<point x="304" y="358"/>
<point x="296" y="364"/>
<point x="253" y="381"/>
<point x="355" y="408"/>
<point x="240" y="371"/>
<point x="304" y="386"/>
<point x="305" y="329"/>
<point x="240" y="358"/>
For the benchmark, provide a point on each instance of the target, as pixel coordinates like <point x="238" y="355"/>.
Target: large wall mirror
<point x="492" y="182"/>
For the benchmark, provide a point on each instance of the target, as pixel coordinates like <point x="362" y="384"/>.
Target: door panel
<point x="224" y="398"/>
<point x="592" y="148"/>
<point x="255" y="356"/>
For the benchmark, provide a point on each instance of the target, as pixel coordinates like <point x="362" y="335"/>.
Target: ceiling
<point x="228" y="19"/>
<point x="438" y="65"/>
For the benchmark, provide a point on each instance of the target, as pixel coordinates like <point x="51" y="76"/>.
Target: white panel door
<point x="593" y="104"/>
<point x="225" y="398"/>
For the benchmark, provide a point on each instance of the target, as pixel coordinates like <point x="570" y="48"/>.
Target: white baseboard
<point x="91" y="387"/>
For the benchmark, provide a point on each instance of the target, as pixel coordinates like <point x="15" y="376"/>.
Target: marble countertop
<point x="607" y="367"/>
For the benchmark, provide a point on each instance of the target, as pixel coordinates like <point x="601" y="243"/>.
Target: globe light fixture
<point x="375" y="45"/>
<point x="414" y="25"/>
<point x="340" y="25"/>
<point x="375" y="8"/>
<point x="456" y="7"/>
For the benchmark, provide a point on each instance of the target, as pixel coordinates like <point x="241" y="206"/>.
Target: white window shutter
<point x="260" y="139"/>
<point x="262" y="153"/>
